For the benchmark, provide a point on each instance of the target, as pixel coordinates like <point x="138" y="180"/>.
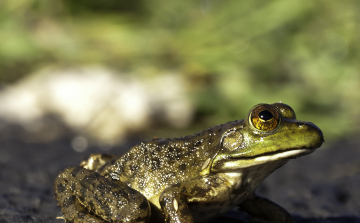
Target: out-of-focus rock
<point x="94" y="102"/>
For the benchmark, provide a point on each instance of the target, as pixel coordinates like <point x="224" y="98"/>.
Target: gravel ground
<point x="321" y="187"/>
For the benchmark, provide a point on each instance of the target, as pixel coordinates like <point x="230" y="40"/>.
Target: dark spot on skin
<point x="85" y="182"/>
<point x="61" y="188"/>
<point x="121" y="194"/>
<point x="127" y="196"/>
<point x="76" y="171"/>
<point x="144" y="205"/>
<point x="196" y="189"/>
<point x="171" y="155"/>
<point x="182" y="167"/>
<point x="101" y="187"/>
<point x="91" y="205"/>
<point x="171" y="149"/>
<point x="158" y="148"/>
<point x="191" y="148"/>
<point x="105" y="208"/>
<point x="68" y="202"/>
<point x="181" y="152"/>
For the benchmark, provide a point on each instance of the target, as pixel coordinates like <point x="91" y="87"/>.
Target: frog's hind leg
<point x="262" y="208"/>
<point x="80" y="191"/>
<point x="95" y="161"/>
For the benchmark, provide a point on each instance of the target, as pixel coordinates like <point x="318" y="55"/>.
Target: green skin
<point x="191" y="179"/>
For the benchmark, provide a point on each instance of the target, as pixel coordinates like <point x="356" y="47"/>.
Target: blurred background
<point x="109" y="69"/>
<point x="101" y="73"/>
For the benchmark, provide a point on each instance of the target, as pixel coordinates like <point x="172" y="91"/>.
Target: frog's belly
<point x="204" y="212"/>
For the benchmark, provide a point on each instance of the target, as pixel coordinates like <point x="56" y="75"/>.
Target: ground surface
<point x="321" y="187"/>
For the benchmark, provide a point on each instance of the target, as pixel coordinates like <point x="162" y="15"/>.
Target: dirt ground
<point x="321" y="187"/>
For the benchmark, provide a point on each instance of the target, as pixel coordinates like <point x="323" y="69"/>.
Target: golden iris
<point x="265" y="118"/>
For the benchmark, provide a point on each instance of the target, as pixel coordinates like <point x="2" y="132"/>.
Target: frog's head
<point x="270" y="133"/>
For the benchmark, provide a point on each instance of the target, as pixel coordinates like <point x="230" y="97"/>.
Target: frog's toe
<point x="96" y="161"/>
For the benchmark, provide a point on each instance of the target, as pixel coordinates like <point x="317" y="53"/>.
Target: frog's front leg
<point x="81" y="191"/>
<point x="265" y="209"/>
<point x="174" y="200"/>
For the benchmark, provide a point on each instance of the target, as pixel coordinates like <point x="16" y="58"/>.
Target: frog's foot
<point x="86" y="196"/>
<point x="77" y="212"/>
<point x="264" y="210"/>
<point x="95" y="161"/>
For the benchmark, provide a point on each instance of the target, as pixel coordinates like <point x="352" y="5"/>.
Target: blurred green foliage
<point x="234" y="53"/>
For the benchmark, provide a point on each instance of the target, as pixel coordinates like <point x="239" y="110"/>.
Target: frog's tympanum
<point x="191" y="179"/>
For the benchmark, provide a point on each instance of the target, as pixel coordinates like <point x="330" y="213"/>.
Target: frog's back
<point x="153" y="165"/>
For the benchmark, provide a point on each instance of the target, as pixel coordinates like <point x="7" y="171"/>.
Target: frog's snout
<point x="314" y="132"/>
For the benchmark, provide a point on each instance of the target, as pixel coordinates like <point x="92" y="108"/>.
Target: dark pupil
<point x="265" y="115"/>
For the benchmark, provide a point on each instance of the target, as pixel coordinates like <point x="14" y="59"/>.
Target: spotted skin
<point x="191" y="179"/>
<point x="84" y="193"/>
<point x="155" y="165"/>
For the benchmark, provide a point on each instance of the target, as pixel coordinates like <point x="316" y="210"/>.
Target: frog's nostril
<point x="301" y="124"/>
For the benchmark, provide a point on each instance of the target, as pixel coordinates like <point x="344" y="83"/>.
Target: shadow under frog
<point x="191" y="179"/>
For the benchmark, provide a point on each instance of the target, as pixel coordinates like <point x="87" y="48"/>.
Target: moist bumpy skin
<point x="189" y="179"/>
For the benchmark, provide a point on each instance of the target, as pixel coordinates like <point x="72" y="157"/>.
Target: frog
<point x="195" y="178"/>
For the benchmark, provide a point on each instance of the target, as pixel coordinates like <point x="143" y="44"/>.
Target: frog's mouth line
<point x="287" y="154"/>
<point x="233" y="163"/>
<point x="290" y="153"/>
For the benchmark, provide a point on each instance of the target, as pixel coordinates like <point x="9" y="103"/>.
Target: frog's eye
<point x="264" y="117"/>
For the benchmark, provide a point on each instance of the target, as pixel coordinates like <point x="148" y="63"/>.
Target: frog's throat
<point x="239" y="163"/>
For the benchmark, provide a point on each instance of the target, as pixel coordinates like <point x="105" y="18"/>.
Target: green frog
<point x="195" y="178"/>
